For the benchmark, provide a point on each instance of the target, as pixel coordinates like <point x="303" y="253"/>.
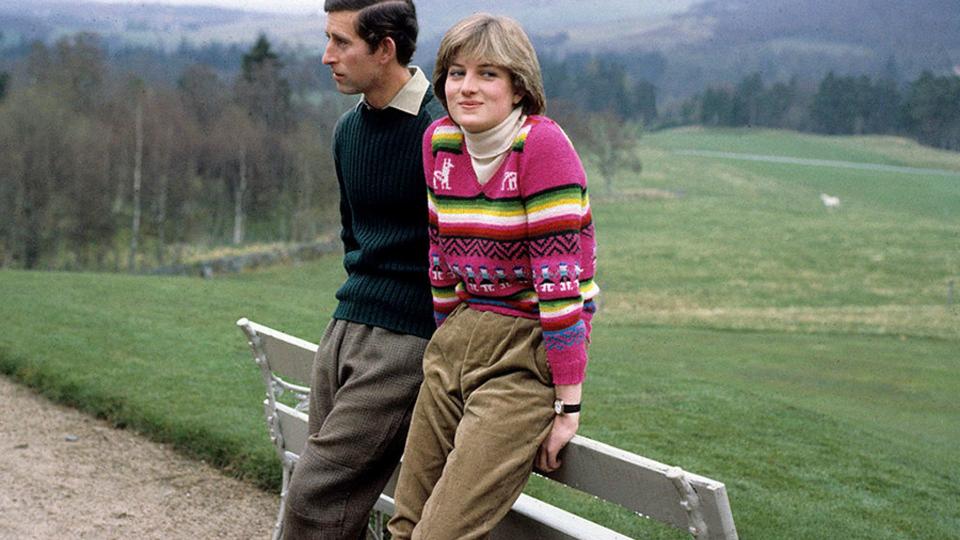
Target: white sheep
<point x="829" y="201"/>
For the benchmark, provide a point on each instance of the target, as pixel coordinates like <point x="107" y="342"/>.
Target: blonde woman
<point x="512" y="258"/>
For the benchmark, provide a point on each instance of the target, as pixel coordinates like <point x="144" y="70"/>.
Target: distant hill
<point x="885" y="25"/>
<point x="148" y="24"/>
<point x="698" y="43"/>
<point x="167" y="23"/>
<point x="725" y="40"/>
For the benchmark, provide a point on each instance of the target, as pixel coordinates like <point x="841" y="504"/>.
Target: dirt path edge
<point x="67" y="475"/>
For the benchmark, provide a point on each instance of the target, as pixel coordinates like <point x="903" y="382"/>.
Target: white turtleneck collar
<point x="488" y="148"/>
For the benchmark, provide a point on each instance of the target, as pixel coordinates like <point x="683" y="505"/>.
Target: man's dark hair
<point x="380" y="19"/>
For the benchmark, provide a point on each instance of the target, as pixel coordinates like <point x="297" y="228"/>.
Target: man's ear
<point x="387" y="50"/>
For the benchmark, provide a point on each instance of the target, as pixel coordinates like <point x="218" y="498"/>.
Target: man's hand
<point x="564" y="428"/>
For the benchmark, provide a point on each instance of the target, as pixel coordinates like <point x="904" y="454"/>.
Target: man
<point x="368" y="368"/>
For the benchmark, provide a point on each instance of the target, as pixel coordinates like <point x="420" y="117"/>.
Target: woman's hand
<point x="564" y="428"/>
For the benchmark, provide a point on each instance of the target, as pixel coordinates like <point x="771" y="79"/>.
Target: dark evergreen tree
<point x="747" y="98"/>
<point x="777" y="102"/>
<point x="835" y="106"/>
<point x="855" y="105"/>
<point x="259" y="55"/>
<point x="645" y="101"/>
<point x="750" y="103"/>
<point x="261" y="88"/>
<point x="932" y="110"/>
<point x="599" y="85"/>
<point x="716" y="107"/>
<point x="891" y="71"/>
<point x="882" y="107"/>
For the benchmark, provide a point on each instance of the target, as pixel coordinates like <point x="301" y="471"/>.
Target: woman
<point x="512" y="257"/>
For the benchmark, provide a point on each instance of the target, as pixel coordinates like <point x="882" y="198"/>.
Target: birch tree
<point x="137" y="182"/>
<point x="237" y="142"/>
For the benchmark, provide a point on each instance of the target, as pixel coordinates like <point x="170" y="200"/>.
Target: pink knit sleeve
<point x="560" y="235"/>
<point x="442" y="280"/>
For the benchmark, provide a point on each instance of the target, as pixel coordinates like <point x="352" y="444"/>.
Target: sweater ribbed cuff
<point x="570" y="367"/>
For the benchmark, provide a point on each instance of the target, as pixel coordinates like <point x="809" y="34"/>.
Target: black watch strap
<point x="572" y="408"/>
<point x="561" y="408"/>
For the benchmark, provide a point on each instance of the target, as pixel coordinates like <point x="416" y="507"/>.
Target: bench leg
<point x="378" y="525"/>
<point x="278" y="526"/>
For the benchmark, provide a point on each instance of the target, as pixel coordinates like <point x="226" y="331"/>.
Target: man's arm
<point x="346" y="213"/>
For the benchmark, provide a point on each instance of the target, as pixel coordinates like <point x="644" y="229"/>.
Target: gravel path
<point x="66" y="475"/>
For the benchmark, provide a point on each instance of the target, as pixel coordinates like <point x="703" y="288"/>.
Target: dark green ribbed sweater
<point x="383" y="208"/>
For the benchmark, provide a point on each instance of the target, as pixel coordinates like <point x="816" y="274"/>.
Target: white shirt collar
<point x="410" y="96"/>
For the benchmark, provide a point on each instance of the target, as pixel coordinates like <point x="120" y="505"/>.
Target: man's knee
<point x="318" y="489"/>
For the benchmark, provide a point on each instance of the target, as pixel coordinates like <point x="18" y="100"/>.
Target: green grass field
<point x="807" y="358"/>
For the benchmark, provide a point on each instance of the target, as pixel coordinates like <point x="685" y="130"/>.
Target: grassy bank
<point x="806" y="358"/>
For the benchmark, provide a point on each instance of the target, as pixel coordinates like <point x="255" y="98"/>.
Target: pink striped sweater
<point x="522" y="244"/>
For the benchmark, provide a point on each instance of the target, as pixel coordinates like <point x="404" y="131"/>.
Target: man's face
<point x="355" y="69"/>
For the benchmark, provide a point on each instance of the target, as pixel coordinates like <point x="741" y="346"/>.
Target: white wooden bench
<point x="666" y="494"/>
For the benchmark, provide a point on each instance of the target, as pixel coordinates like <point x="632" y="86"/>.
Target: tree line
<point x="113" y="162"/>
<point x="100" y="169"/>
<point x="104" y="169"/>
<point x="597" y="84"/>
<point x="926" y="109"/>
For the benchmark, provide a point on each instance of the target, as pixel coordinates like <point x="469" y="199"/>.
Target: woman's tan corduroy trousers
<point x="483" y="409"/>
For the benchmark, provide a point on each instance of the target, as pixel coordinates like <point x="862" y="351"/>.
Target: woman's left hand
<point x="564" y="428"/>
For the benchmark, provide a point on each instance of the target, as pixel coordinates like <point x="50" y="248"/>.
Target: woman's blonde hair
<point x="499" y="41"/>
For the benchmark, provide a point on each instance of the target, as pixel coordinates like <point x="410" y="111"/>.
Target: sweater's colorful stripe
<point x="447" y="139"/>
<point x="566" y="208"/>
<point x="521" y="140"/>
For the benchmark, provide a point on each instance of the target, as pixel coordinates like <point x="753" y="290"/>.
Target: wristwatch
<point x="562" y="408"/>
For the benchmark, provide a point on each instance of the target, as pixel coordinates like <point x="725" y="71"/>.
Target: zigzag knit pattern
<point x="521" y="244"/>
<point x="554" y="245"/>
<point x="479" y="247"/>
<point x="561" y="339"/>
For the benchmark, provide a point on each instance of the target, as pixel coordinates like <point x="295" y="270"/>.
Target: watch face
<point x="558" y="406"/>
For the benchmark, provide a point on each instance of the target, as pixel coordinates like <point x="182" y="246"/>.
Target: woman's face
<point x="479" y="95"/>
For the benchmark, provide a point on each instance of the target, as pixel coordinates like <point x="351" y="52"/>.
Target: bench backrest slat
<point x="716" y="512"/>
<point x="634" y="482"/>
<point x="290" y="357"/>
<point x="293" y="427"/>
<point x="532" y="518"/>
<point x="529" y="518"/>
